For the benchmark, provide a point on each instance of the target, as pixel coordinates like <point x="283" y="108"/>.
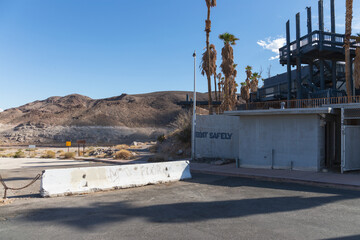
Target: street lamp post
<point x="194" y="113"/>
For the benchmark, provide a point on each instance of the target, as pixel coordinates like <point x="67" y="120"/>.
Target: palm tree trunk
<point x="227" y="96"/>
<point x="207" y="29"/>
<point x="219" y="92"/>
<point x="348" y="21"/>
<point x="216" y="97"/>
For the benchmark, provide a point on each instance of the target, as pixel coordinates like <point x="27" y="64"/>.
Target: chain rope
<point x="20" y="188"/>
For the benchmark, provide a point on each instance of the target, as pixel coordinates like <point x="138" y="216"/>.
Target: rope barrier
<point x="20" y="188"/>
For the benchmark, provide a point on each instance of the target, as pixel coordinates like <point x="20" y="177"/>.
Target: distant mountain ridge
<point x="156" y="109"/>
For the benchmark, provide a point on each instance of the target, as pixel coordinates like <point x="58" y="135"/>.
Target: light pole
<point x="194" y="113"/>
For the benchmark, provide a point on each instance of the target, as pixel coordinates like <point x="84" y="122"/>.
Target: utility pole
<point x="194" y="113"/>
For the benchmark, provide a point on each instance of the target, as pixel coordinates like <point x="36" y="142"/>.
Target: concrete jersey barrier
<point x="60" y="182"/>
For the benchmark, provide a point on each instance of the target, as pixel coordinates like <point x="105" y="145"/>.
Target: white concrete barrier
<point x="59" y="182"/>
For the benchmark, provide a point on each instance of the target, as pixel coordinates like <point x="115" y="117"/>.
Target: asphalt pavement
<point x="205" y="207"/>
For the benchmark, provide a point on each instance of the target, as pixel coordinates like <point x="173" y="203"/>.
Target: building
<point x="299" y="120"/>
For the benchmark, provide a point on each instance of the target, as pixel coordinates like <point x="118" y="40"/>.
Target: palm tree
<point x="216" y="95"/>
<point x="209" y="5"/>
<point x="233" y="84"/>
<point x="214" y="66"/>
<point x="245" y="86"/>
<point x="244" y="91"/>
<point x="219" y="78"/>
<point x="227" y="67"/>
<point x="221" y="85"/>
<point x="348" y="21"/>
<point x="209" y="69"/>
<point x="248" y="70"/>
<point x="254" y="82"/>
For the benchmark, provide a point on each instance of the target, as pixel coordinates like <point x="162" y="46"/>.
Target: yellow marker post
<point x="68" y="144"/>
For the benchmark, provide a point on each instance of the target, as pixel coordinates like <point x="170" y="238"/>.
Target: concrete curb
<point x="279" y="179"/>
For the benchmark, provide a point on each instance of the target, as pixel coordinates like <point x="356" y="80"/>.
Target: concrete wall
<point x="217" y="136"/>
<point x="58" y="182"/>
<point x="276" y="141"/>
<point x="264" y="141"/>
<point x="351" y="154"/>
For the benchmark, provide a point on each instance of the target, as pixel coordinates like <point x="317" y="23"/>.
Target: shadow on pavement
<point x="353" y="237"/>
<point x="26" y="196"/>
<point x="233" y="182"/>
<point x="102" y="213"/>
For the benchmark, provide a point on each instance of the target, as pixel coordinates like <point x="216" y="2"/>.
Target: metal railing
<point x="302" y="103"/>
<point x="318" y="38"/>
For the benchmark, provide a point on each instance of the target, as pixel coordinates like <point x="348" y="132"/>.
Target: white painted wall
<point x="280" y="140"/>
<point x="58" y="182"/>
<point x="213" y="133"/>
<point x="260" y="141"/>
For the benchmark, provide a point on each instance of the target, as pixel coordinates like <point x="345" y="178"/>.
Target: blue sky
<point x="103" y="48"/>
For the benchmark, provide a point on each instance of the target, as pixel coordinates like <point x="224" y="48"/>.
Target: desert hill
<point x="101" y="120"/>
<point x="142" y="110"/>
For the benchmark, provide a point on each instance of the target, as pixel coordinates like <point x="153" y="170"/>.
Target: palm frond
<point x="213" y="3"/>
<point x="228" y="38"/>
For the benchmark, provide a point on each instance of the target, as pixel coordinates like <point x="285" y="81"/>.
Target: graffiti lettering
<point x="214" y="135"/>
<point x="201" y="134"/>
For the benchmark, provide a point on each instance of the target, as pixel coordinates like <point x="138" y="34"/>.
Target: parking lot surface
<point x="206" y="207"/>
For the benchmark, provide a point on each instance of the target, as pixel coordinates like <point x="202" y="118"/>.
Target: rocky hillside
<point x="58" y="118"/>
<point x="143" y="110"/>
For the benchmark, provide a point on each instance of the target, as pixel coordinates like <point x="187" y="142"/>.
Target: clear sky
<point x="103" y="48"/>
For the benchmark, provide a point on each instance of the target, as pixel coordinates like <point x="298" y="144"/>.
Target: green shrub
<point x="19" y="154"/>
<point x="49" y="154"/>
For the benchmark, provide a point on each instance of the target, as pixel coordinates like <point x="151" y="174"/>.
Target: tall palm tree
<point x="248" y="71"/>
<point x="219" y="78"/>
<point x="244" y="91"/>
<point x="209" y="5"/>
<point x="233" y="84"/>
<point x="213" y="65"/>
<point x="227" y="67"/>
<point x="348" y="22"/>
<point x="208" y="67"/>
<point x="254" y="82"/>
<point x="245" y="86"/>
